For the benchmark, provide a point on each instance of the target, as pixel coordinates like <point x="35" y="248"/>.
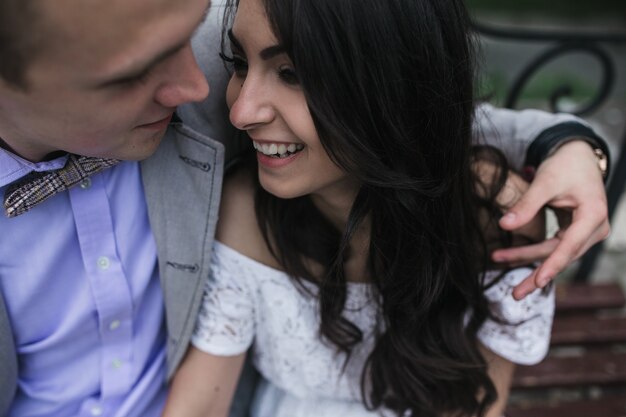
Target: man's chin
<point x="142" y="148"/>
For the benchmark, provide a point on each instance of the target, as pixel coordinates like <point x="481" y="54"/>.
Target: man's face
<point x="107" y="79"/>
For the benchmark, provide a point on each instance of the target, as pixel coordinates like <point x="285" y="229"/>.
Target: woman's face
<point x="267" y="101"/>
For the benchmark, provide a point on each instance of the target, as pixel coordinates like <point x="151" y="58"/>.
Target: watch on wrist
<point x="603" y="161"/>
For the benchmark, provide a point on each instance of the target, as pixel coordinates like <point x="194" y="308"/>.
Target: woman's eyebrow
<point x="265" y="54"/>
<point x="271" y="51"/>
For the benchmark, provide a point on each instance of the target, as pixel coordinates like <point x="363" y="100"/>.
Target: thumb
<point x="525" y="209"/>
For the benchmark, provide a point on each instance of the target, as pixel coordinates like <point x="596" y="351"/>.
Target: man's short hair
<point x="18" y="39"/>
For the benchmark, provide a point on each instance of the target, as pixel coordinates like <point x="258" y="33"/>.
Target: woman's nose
<point x="250" y="104"/>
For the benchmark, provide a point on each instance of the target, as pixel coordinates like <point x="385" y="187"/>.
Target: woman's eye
<point x="236" y="64"/>
<point x="288" y="75"/>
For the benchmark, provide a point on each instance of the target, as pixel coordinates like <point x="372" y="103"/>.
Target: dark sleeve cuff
<point x="548" y="141"/>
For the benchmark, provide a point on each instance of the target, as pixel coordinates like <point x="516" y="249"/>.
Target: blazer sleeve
<point x="516" y="133"/>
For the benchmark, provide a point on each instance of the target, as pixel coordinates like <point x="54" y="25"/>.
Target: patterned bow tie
<point x="39" y="186"/>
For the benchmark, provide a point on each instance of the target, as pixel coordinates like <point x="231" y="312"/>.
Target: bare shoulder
<point x="237" y="226"/>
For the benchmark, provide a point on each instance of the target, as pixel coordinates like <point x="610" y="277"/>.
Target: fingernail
<point x="509" y="217"/>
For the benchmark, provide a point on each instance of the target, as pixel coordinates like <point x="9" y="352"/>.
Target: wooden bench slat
<point x="589" y="297"/>
<point x="590" y="322"/>
<point x="605" y="407"/>
<point x="588" y="329"/>
<point x="595" y="368"/>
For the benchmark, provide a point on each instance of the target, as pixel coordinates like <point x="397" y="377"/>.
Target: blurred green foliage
<point x="496" y="77"/>
<point x="494" y="86"/>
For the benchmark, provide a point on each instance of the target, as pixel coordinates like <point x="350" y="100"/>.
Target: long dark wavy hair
<point x="389" y="85"/>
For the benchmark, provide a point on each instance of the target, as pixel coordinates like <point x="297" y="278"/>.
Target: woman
<point x="351" y="252"/>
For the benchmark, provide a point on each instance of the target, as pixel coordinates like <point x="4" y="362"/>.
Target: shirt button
<point x="114" y="325"/>
<point x="104" y="263"/>
<point x="116" y="364"/>
<point x="86" y="183"/>
<point x="96" y="411"/>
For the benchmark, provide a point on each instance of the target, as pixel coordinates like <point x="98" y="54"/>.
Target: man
<point x="79" y="276"/>
<point x="83" y="330"/>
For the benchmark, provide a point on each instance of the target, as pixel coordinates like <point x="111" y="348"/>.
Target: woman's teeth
<point x="277" y="150"/>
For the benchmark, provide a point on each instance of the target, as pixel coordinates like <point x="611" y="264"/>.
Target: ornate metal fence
<point x="563" y="43"/>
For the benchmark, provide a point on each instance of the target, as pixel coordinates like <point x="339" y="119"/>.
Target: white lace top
<point x="246" y="302"/>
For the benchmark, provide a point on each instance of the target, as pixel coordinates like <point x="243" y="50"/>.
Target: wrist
<point x="551" y="140"/>
<point x="580" y="148"/>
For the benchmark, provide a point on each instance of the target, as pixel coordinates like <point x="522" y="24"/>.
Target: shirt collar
<point x="13" y="167"/>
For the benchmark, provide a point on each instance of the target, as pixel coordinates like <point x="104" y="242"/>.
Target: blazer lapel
<point x="182" y="184"/>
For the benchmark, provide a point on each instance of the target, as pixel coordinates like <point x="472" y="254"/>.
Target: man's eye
<point x="134" y="79"/>
<point x="236" y="64"/>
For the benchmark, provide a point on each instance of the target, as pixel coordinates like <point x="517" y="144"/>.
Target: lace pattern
<point x="245" y="301"/>
<point x="520" y="330"/>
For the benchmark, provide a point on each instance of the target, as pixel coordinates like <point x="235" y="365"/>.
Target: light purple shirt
<point x="80" y="279"/>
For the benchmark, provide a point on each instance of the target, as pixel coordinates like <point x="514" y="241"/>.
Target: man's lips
<point x="159" y="124"/>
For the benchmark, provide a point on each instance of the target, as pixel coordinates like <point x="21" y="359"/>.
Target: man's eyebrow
<point x="140" y="69"/>
<point x="265" y="54"/>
